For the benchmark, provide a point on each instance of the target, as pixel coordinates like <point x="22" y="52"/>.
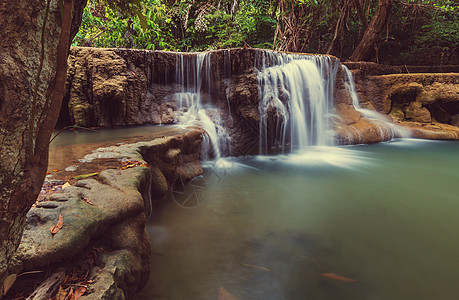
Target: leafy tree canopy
<point x="418" y="31"/>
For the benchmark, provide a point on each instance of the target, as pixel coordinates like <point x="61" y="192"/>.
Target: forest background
<point x="418" y="32"/>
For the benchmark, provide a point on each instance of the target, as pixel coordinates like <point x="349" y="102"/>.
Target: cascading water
<point x="193" y="73"/>
<point x="296" y="92"/>
<point x="376" y="118"/>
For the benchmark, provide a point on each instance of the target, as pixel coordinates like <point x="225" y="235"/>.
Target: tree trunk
<point x="378" y="22"/>
<point x="338" y="27"/>
<point x="34" y="43"/>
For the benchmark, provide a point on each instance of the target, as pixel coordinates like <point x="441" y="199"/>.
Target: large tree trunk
<point x="378" y="22"/>
<point x="34" y="42"/>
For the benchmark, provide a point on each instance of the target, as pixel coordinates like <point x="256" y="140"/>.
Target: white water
<point x="296" y="99"/>
<point x="296" y="94"/>
<point x="193" y="73"/>
<point x="376" y="118"/>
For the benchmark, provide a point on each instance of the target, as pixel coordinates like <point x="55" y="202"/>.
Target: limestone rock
<point x="116" y="220"/>
<point x="421" y="98"/>
<point x="415" y="112"/>
<point x="348" y="115"/>
<point x="108" y="87"/>
<point x="159" y="186"/>
<point x="397" y="114"/>
<point x="116" y="279"/>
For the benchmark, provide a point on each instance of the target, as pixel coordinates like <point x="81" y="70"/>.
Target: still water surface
<point x="386" y="215"/>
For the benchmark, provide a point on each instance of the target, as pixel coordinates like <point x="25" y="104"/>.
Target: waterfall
<point x="296" y="95"/>
<point x="193" y="75"/>
<point x="376" y="118"/>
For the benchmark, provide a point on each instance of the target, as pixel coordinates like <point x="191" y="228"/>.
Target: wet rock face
<point x="426" y="103"/>
<point x="119" y="87"/>
<point x="105" y="89"/>
<point x="423" y="98"/>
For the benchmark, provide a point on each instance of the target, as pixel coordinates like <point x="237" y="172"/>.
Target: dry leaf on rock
<point x="223" y="294"/>
<point x="69" y="295"/>
<point x="85" y="176"/>
<point x="257" y="267"/>
<point x="85" y="199"/>
<point x="55" y="229"/>
<point x="79" y="292"/>
<point x="61" y="294"/>
<point x="8" y="283"/>
<point x="133" y="163"/>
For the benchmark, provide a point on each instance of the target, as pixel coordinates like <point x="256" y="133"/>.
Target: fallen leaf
<point x="79" y="292"/>
<point x="55" y="170"/>
<point x="224" y="294"/>
<point x="66" y="185"/>
<point x="335" y="276"/>
<point x="47" y="173"/>
<point x="66" y="279"/>
<point x="257" y="267"/>
<point x="54" y="229"/>
<point x="9" y="280"/>
<point x="69" y="295"/>
<point x="85" y="176"/>
<point x="87" y="201"/>
<point x="61" y="294"/>
<point x="86" y="275"/>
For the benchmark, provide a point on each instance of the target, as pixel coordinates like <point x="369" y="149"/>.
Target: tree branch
<point x="47" y="125"/>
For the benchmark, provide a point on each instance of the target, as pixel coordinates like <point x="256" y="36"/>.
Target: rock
<point x="434" y="131"/>
<point x="130" y="87"/>
<point x="82" y="222"/>
<point x="159" y="186"/>
<point x="397" y="114"/>
<point x="363" y="132"/>
<point x="455" y="120"/>
<point x="117" y="278"/>
<point x="415" y="112"/>
<point x="421" y="98"/>
<point x="348" y="115"/>
<point x="116" y="220"/>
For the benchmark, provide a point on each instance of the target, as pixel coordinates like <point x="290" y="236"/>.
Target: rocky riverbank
<point x="102" y="244"/>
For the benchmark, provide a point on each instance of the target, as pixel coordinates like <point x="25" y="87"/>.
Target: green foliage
<point x="142" y="26"/>
<point x="176" y="25"/>
<point x="424" y="32"/>
<point x="419" y="31"/>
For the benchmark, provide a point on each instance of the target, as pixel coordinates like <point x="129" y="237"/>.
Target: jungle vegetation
<point x="411" y="32"/>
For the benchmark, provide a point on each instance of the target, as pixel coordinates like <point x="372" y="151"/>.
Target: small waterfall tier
<point x="295" y="100"/>
<point x="387" y="129"/>
<point x="194" y="79"/>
